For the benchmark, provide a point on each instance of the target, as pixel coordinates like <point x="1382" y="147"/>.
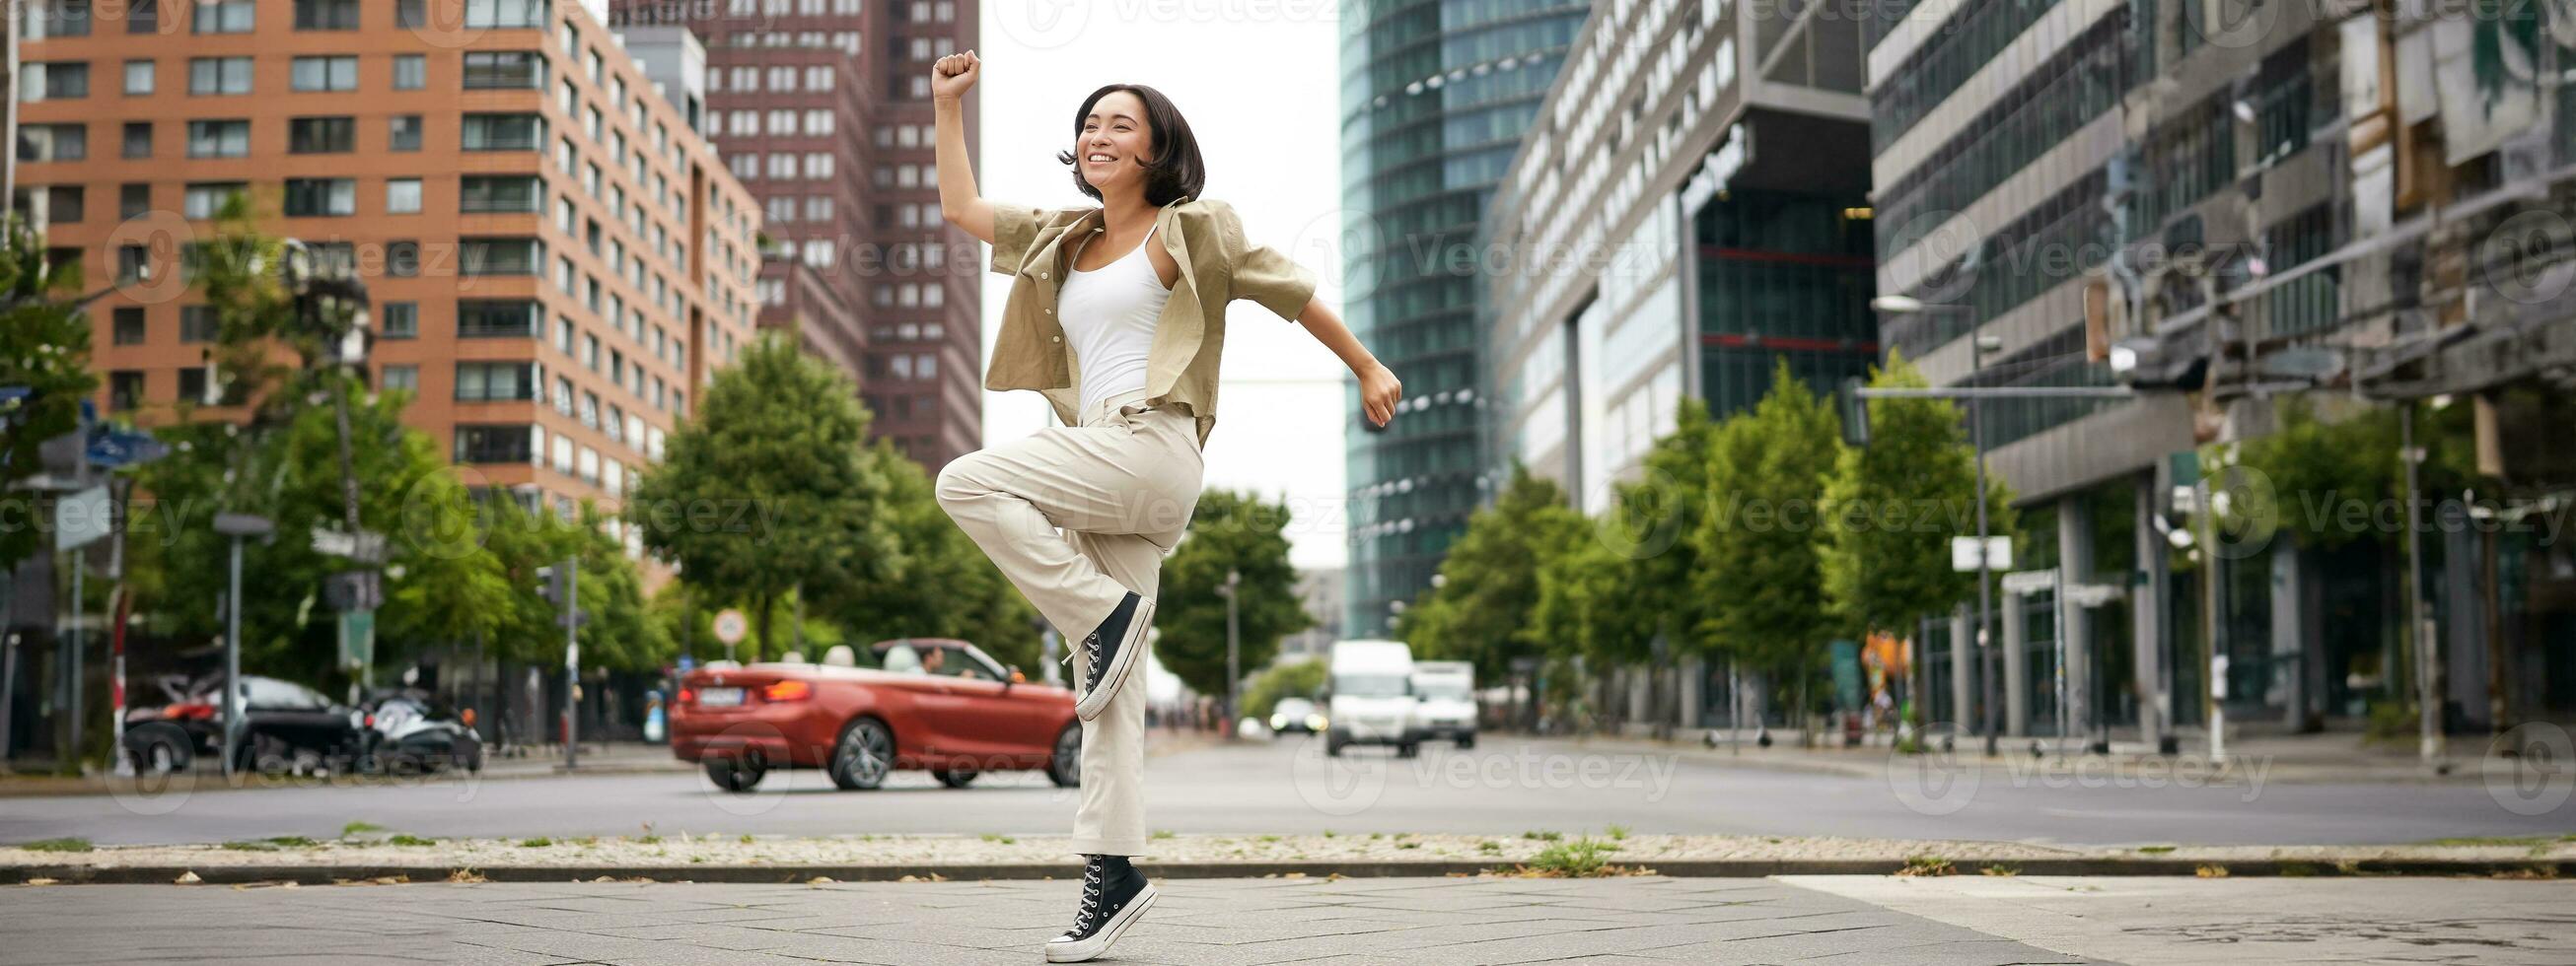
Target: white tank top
<point x="1110" y="314"/>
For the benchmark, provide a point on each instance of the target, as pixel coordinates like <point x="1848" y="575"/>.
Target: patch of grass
<point x="536" y="843"/>
<point x="1581" y="858"/>
<point x="2298" y="870"/>
<point x="57" y="845"/>
<point x="1329" y="833"/>
<point x="1489" y="845"/>
<point x="1160" y="833"/>
<point x="2514" y="840"/>
<point x="291" y="841"/>
<point x="359" y="828"/>
<point x="1270" y="838"/>
<point x="650" y="839"/>
<point x="1374" y="836"/>
<point x="995" y="837"/>
<point x="1618" y="833"/>
<point x="2154" y="849"/>
<point x="746" y="838"/>
<point x="1928" y="865"/>
<point x="411" y="840"/>
<point x="1408" y="845"/>
<point x="2001" y="869"/>
<point x="1542" y="836"/>
<point x="252" y="846"/>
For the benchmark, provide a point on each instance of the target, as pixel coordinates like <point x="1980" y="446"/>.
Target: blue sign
<point x="114" y="448"/>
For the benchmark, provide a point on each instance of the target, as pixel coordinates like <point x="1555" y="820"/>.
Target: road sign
<point x="357" y="638"/>
<point x="114" y="448"/>
<point x="81" y="518"/>
<point x="365" y="547"/>
<point x="2029" y="581"/>
<point x="1964" y="555"/>
<point x="731" y="627"/>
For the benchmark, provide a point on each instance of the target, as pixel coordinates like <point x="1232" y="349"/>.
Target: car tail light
<point x="367" y="722"/>
<point x="787" y="691"/>
<point x="689" y="696"/>
<point x="189" y="712"/>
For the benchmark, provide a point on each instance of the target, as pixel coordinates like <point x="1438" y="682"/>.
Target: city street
<point x="1505" y="786"/>
<point x="1241" y="922"/>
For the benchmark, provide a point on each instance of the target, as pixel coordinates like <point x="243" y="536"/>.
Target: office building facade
<point x="557" y="262"/>
<point x="822" y="109"/>
<point x="1435" y="97"/>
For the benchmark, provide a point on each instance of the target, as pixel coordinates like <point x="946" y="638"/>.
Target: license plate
<point x="720" y="697"/>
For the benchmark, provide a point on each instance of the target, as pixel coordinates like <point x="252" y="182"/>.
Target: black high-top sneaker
<point x="1110" y="651"/>
<point x="1114" y="896"/>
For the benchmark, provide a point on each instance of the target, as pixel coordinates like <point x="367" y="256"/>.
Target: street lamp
<point x="238" y="526"/>
<point x="1233" y="651"/>
<point x="1978" y="346"/>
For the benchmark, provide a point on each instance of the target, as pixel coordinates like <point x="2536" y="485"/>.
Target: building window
<point x="402" y="320"/>
<point x="496" y="381"/>
<point x="403" y="378"/>
<point x="498" y="318"/>
<point x="338" y="73"/>
<point x="502" y="193"/>
<point x="219" y="75"/>
<point x="321" y="197"/>
<point x="133" y="200"/>
<point x="402" y="196"/>
<point x="124" y="389"/>
<point x="222" y="16"/>
<point x="504" y="70"/>
<point x="507" y="14"/>
<point x="129" y="326"/>
<point x="504" y="132"/>
<point x="53" y="142"/>
<point x="207" y="200"/>
<point x="53" y="81"/>
<point x="195" y="388"/>
<point x="496" y="444"/>
<point x="503" y="256"/>
<point x="219" y="139"/>
<point x="197" y="324"/>
<point x="411" y="72"/>
<point x="143" y="17"/>
<point x="411" y="14"/>
<point x="404" y="133"/>
<point x="326" y="14"/>
<point x="402" y="259"/>
<point x="321" y="135"/>
<point x="138" y="139"/>
<point x="138" y="77"/>
<point x="818" y="165"/>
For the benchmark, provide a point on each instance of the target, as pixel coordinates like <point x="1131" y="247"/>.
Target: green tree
<point x="947" y="587"/>
<point x="1236" y="532"/>
<point x="1759" y="538"/>
<point x="619" y="633"/>
<point x="1484" y="606"/>
<point x="769" y="489"/>
<point x="1892" y="507"/>
<point x="44" y="349"/>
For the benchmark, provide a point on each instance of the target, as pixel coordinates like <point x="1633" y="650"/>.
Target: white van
<point x="1446" y="692"/>
<point x="1369" y="700"/>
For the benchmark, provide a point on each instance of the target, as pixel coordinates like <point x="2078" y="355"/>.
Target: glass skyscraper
<point x="1435" y="97"/>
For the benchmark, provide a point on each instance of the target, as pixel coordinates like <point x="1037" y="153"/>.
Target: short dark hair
<point x="1174" y="171"/>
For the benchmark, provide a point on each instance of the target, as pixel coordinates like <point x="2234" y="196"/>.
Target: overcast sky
<point x="1258" y="84"/>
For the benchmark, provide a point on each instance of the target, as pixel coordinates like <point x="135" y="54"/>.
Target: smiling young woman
<point x="1117" y="316"/>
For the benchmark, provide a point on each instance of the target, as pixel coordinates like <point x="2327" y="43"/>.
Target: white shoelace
<point x="1094" y="894"/>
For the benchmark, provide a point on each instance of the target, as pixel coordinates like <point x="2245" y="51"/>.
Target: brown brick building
<point x="558" y="262"/>
<point x="822" y="108"/>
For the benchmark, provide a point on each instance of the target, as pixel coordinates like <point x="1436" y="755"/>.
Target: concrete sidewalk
<point x="1317" y="922"/>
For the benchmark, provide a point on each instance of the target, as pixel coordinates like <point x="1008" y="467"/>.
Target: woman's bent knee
<point x="957" y="480"/>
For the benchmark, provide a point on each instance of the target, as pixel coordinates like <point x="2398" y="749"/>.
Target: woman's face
<point x="1114" y="143"/>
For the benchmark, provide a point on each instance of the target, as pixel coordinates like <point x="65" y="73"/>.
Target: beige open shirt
<point x="1204" y="237"/>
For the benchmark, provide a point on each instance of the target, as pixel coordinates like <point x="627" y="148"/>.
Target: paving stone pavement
<point x="1640" y="921"/>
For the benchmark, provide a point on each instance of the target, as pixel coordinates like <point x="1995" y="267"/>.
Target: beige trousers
<point x="1077" y="516"/>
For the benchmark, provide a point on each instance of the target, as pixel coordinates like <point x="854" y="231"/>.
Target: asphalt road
<point x="1505" y="786"/>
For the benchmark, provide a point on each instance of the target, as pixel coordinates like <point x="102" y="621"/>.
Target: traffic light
<point x="2150" y="363"/>
<point x="550" y="585"/>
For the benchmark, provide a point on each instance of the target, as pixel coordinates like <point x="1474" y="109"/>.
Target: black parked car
<point x="286" y="726"/>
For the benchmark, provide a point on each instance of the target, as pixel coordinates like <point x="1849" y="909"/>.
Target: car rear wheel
<point x="160" y="750"/>
<point x="736" y="772"/>
<point x="1064" y="768"/>
<point x="863" y="756"/>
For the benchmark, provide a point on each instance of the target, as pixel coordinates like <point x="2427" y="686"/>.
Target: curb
<point x="1687" y="868"/>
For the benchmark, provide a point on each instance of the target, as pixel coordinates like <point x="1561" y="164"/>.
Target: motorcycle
<point x="405" y="734"/>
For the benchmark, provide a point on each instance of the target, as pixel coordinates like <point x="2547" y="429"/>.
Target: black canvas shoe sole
<point x="1079" y="950"/>
<point x="1120" y="662"/>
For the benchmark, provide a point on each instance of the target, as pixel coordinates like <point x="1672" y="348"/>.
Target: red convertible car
<point x="931" y="703"/>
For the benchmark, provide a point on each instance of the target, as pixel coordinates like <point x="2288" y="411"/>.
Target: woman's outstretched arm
<point x="1379" y="389"/>
<point x="959" y="202"/>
